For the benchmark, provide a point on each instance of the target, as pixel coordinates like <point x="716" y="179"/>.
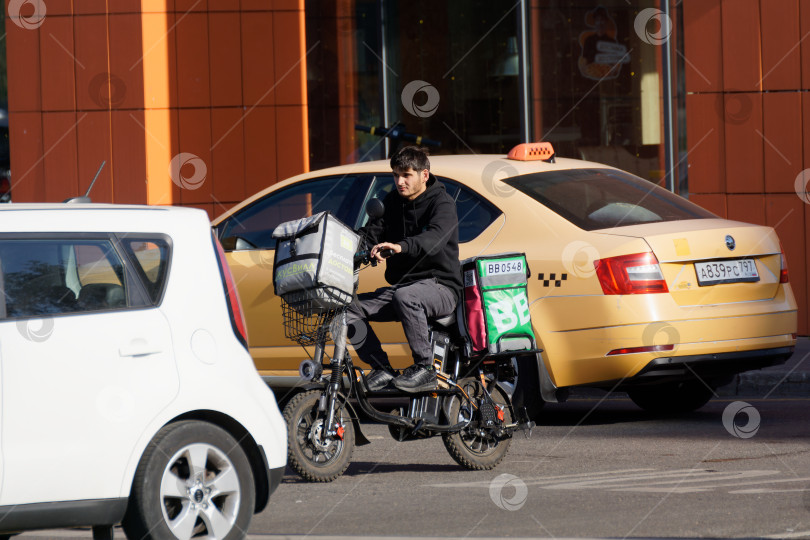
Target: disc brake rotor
<point x="316" y="436"/>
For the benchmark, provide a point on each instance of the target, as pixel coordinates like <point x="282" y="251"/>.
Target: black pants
<point x="412" y="304"/>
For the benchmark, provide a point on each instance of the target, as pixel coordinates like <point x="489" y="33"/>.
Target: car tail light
<point x="651" y="348"/>
<point x="783" y="275"/>
<point x="232" y="295"/>
<point x="631" y="274"/>
<point x="5" y="189"/>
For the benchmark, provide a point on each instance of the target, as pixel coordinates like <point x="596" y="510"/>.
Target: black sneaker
<point x="378" y="379"/>
<point x="417" y="378"/>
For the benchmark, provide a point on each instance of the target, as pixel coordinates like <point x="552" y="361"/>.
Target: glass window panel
<point x="152" y="257"/>
<point x="595" y="199"/>
<point x="256" y="222"/>
<point x="474" y="213"/>
<point x="50" y="277"/>
<point x="365" y="54"/>
<point x="596" y="83"/>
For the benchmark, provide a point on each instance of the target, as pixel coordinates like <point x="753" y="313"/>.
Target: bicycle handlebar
<point x="397" y="132"/>
<point x="364" y="257"/>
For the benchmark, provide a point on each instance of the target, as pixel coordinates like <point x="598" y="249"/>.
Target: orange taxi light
<point x="539" y="151"/>
<point x="783" y="274"/>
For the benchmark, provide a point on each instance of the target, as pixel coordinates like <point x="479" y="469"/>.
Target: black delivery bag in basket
<point x="313" y="268"/>
<point x="496" y="303"/>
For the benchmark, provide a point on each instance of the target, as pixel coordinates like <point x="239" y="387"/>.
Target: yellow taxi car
<point x="633" y="288"/>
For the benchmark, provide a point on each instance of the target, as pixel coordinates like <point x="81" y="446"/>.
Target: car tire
<point x="672" y="398"/>
<point x="193" y="479"/>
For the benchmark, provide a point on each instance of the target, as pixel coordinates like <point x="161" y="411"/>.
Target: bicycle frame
<point x="341" y="362"/>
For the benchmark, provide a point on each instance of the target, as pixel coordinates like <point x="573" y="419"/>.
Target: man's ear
<point x="425" y="174"/>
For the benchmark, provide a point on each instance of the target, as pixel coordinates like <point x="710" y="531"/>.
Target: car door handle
<point x="138" y="347"/>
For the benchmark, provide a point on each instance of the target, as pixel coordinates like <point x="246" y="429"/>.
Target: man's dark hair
<point x="411" y="157"/>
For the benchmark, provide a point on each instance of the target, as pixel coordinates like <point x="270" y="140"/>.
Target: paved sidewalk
<point x="791" y="379"/>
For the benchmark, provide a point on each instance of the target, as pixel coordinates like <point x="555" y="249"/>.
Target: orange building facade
<point x="748" y="119"/>
<point x="205" y="102"/>
<point x="191" y="102"/>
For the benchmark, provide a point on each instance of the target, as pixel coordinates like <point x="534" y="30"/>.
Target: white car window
<point x="151" y="256"/>
<point x="50" y="277"/>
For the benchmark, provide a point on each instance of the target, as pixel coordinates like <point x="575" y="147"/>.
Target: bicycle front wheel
<point x="314" y="453"/>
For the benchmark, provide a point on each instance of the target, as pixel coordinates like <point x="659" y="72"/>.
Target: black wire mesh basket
<point x="307" y="318"/>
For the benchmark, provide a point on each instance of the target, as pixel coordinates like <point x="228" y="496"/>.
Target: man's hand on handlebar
<point x="384" y="250"/>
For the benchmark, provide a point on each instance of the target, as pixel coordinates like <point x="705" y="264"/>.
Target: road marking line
<point x="712" y="477"/>
<point x="775" y="481"/>
<point x="802" y="534"/>
<point x="755" y="491"/>
<point x="486" y="483"/>
<point x="676" y="478"/>
<point x="652" y="481"/>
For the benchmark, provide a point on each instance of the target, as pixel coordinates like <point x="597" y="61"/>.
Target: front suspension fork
<point x="329" y="398"/>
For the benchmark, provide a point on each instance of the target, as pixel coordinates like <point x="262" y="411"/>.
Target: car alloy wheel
<point x="194" y="480"/>
<point x="200" y="492"/>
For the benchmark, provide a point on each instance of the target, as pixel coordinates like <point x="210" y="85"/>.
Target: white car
<point x="128" y="394"/>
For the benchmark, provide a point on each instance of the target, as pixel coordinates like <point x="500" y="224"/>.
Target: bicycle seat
<point x="446" y="320"/>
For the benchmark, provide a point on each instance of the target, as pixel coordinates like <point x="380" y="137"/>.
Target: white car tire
<point x="193" y="479"/>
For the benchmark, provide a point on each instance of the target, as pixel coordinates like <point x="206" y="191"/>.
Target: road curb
<point x="791" y="379"/>
<point x="765" y="385"/>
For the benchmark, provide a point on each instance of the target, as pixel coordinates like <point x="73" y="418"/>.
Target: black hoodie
<point x="427" y="230"/>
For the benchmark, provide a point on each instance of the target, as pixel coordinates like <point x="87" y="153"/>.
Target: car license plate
<point x="728" y="271"/>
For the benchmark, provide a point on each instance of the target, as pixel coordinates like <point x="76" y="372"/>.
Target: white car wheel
<point x="193" y="481"/>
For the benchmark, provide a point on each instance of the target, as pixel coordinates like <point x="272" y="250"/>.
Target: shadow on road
<point x="357" y="468"/>
<point x="592" y="412"/>
<point x="365" y="467"/>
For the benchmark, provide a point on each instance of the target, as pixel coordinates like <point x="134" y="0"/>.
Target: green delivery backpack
<point x="496" y="303"/>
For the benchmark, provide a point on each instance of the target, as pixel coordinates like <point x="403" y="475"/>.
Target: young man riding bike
<point x="420" y="227"/>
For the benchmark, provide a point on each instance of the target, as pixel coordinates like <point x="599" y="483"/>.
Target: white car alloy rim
<point x="199" y="492"/>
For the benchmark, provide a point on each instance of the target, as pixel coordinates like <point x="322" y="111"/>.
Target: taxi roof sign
<point x="539" y="151"/>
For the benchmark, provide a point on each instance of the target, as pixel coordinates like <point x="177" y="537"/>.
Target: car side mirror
<point x="375" y="208"/>
<point x="236" y="243"/>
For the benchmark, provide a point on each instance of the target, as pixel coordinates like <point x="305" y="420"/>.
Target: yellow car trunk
<point x="681" y="245"/>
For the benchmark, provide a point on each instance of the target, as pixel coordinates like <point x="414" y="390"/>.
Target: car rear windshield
<point x="595" y="199"/>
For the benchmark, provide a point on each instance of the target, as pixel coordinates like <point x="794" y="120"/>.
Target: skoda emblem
<point x="730" y="243"/>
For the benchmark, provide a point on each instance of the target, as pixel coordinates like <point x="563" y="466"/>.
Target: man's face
<point x="410" y="183"/>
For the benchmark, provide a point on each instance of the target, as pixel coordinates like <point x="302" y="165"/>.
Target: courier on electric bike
<point x="476" y="353"/>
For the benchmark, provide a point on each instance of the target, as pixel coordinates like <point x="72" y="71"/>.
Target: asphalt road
<point x="591" y="469"/>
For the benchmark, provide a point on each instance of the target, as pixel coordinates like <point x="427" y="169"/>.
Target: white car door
<point x="83" y="375"/>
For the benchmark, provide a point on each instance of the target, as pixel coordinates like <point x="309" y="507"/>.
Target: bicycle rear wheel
<point x="477" y="447"/>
